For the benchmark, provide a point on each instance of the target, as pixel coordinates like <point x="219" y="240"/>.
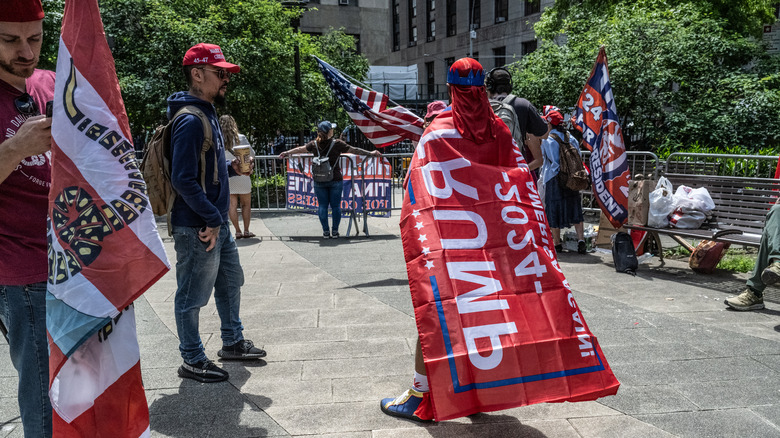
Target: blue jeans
<point x="23" y="312"/>
<point x="329" y="193"/>
<point x="198" y="273"/>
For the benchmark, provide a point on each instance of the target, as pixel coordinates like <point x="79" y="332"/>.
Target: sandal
<point x="239" y="235"/>
<point x="248" y="234"/>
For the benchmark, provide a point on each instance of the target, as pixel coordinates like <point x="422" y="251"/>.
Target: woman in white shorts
<point x="240" y="185"/>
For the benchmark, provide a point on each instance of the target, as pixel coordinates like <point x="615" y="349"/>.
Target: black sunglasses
<point x="221" y="74"/>
<point x="26" y="105"/>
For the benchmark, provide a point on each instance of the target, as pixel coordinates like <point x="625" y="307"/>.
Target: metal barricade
<point x="399" y="163"/>
<point x="639" y="162"/>
<point x="752" y="166"/>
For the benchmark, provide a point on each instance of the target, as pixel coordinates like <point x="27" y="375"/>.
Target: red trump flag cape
<point x="383" y="126"/>
<point x="596" y="116"/>
<point x="498" y="324"/>
<point x="104" y="249"/>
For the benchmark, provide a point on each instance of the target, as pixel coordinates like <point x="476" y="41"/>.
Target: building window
<point x="412" y="23"/>
<point x="474" y="13"/>
<point x="777" y="11"/>
<point x="431" y="19"/>
<point x="431" y="75"/>
<point x="532" y="6"/>
<point x="356" y="36"/>
<point x="528" y="47"/>
<point x="502" y="10"/>
<point x="448" y="62"/>
<point x="475" y="56"/>
<point x="396" y="26"/>
<point x="499" y="55"/>
<point x="452" y="18"/>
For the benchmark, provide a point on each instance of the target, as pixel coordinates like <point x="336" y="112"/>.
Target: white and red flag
<point x="104" y="249"/>
<point x="497" y="320"/>
<point x="383" y="126"/>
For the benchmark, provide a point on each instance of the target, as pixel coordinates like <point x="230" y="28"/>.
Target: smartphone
<point x="49" y="106"/>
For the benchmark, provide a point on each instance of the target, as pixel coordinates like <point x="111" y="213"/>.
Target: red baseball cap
<point x="19" y="11"/>
<point x="208" y="54"/>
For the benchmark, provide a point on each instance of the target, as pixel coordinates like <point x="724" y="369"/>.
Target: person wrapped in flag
<point x="25" y="177"/>
<point x="497" y="321"/>
<point x="329" y="192"/>
<point x="206" y="253"/>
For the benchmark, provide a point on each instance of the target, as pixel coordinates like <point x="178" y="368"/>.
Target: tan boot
<point x="771" y="274"/>
<point x="747" y="300"/>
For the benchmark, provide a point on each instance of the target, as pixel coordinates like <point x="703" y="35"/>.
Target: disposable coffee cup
<point x="244" y="157"/>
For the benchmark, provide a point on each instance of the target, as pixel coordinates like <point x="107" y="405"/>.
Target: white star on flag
<point x="426" y="250"/>
<point x="415" y="213"/>
<point x="429" y="264"/>
<point x="419" y="225"/>
<point x="422" y="238"/>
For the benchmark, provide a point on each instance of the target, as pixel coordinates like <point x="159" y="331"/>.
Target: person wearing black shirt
<point x="499" y="86"/>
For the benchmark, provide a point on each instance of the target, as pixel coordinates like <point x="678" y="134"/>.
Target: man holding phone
<point x="25" y="177"/>
<point x="206" y="253"/>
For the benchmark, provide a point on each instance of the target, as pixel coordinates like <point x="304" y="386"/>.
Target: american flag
<point x="368" y="109"/>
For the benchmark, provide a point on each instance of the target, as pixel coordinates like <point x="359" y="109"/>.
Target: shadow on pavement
<point x="185" y="413"/>
<point x="484" y="425"/>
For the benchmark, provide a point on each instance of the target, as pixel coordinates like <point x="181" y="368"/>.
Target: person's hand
<point x="209" y="235"/>
<point x="283" y="155"/>
<point x="33" y="137"/>
<point x="375" y="153"/>
<point x="236" y="165"/>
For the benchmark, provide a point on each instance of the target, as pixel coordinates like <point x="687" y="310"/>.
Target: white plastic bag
<point x="661" y="204"/>
<point x="693" y="199"/>
<point x="689" y="218"/>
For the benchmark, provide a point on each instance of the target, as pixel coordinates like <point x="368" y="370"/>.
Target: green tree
<point x="149" y="39"/>
<point x="682" y="72"/>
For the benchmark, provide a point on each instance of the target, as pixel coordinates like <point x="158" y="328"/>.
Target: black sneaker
<point x="559" y="248"/>
<point x="581" y="247"/>
<point x="204" y="371"/>
<point x="244" y="349"/>
<point x="335" y="235"/>
<point x="326" y="234"/>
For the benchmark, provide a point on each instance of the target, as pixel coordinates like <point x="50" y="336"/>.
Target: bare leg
<point x="556" y="234"/>
<point x="246" y="209"/>
<point x="419" y="363"/>
<point x="233" y="213"/>
<point x="579" y="228"/>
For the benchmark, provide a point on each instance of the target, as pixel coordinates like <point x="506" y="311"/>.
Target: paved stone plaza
<point x="336" y="319"/>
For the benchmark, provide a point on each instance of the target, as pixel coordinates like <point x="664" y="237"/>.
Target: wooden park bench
<point x="741" y="205"/>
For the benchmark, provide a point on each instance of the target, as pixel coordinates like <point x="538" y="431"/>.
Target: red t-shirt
<point x="24" y="195"/>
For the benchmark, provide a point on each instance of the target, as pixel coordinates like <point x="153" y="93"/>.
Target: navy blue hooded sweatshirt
<point x="193" y="207"/>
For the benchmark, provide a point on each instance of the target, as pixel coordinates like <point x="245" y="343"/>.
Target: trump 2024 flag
<point x="104" y="249"/>
<point x="497" y="320"/>
<point x="596" y="116"/>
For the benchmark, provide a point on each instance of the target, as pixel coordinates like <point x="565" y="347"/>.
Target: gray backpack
<point x="506" y="112"/>
<point x="321" y="170"/>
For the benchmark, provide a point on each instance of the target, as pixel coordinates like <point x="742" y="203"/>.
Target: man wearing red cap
<point x="25" y="177"/>
<point x="206" y="253"/>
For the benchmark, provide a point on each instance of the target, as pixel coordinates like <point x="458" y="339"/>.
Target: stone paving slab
<point x="336" y="319"/>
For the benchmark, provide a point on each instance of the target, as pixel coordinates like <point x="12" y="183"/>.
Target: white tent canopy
<point x="398" y="83"/>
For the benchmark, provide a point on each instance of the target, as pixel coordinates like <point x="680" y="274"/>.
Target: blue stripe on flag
<point x="68" y="327"/>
